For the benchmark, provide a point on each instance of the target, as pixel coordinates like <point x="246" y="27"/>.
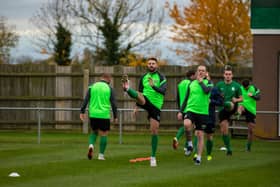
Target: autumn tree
<point x="55" y="30"/>
<point x="112" y="28"/>
<point x="219" y="31"/>
<point x="8" y="40"/>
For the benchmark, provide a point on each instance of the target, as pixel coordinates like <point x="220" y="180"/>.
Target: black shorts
<point x="100" y="124"/>
<point x="249" y="117"/>
<point x="199" y="120"/>
<point x="210" y="128"/>
<point x="225" y="115"/>
<point x="153" y="112"/>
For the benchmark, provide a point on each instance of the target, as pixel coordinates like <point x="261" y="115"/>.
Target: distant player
<point x="231" y="93"/>
<point x="181" y="94"/>
<point x="101" y="99"/>
<point x="150" y="96"/>
<point x="197" y="104"/>
<point x="248" y="108"/>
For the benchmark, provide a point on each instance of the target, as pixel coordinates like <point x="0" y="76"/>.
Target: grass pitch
<point x="60" y="160"/>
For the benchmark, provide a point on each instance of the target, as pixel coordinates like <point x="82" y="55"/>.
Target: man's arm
<point x="113" y="104"/>
<point x="162" y="88"/>
<point x="85" y="102"/>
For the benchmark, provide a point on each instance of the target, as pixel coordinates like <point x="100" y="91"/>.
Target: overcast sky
<point x="18" y="13"/>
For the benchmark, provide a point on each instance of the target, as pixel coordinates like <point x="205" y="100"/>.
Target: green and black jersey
<point x="249" y="102"/>
<point x="228" y="91"/>
<point x="197" y="99"/>
<point x="156" y="93"/>
<point x="182" y="89"/>
<point x="101" y="99"/>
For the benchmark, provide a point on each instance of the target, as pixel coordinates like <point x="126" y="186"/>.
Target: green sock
<point x="103" y="144"/>
<point x="209" y="146"/>
<point x="195" y="144"/>
<point x="92" y="138"/>
<point x="180" y="132"/>
<point x="154" y="144"/>
<point x="226" y="140"/>
<point x="132" y="93"/>
<point x="248" y="146"/>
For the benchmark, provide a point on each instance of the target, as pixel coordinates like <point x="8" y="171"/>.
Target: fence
<point x="120" y="117"/>
<point x="52" y="86"/>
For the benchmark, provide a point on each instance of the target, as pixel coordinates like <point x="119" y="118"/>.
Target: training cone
<point x="139" y="159"/>
<point x="14" y="174"/>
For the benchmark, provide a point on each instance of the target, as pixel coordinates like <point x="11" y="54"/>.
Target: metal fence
<point x="85" y="125"/>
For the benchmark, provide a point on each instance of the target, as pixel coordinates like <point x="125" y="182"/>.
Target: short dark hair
<point x="245" y="83"/>
<point x="227" y="68"/>
<point x="152" y="58"/>
<point x="190" y="73"/>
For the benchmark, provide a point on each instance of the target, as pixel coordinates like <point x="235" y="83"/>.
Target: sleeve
<point x="162" y="88"/>
<point x="85" y="102"/>
<point x="113" y="103"/>
<point x="206" y="88"/>
<point x="141" y="86"/>
<point x="257" y="94"/>
<point x="178" y="98"/>
<point x="163" y="85"/>
<point x="239" y="91"/>
<point x="216" y="98"/>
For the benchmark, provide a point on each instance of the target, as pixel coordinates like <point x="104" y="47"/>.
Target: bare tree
<point x="113" y="27"/>
<point x="8" y="40"/>
<point x="47" y="20"/>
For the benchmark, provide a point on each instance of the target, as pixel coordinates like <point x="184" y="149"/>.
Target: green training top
<point x="228" y="91"/>
<point x="182" y="89"/>
<point x="99" y="103"/>
<point x="249" y="102"/>
<point x="156" y="93"/>
<point x="198" y="100"/>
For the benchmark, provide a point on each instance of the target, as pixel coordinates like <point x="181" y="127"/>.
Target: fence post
<point x="39" y="125"/>
<point x="120" y="127"/>
<point x="85" y="86"/>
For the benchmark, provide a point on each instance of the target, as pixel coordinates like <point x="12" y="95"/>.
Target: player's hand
<point x="115" y="121"/>
<point x="250" y="94"/>
<point x="151" y="82"/>
<point x="135" y="111"/>
<point x="199" y="78"/>
<point x="234" y="100"/>
<point x="82" y="117"/>
<point x="180" y="116"/>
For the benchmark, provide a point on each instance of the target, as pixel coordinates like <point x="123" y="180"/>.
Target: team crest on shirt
<point x="232" y="88"/>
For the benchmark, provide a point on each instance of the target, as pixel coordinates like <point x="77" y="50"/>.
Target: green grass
<point x="60" y="160"/>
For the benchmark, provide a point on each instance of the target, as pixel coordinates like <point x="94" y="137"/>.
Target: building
<point x="265" y="25"/>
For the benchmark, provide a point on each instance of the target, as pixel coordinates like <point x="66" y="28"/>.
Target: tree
<point x="112" y="28"/>
<point x="219" y="31"/>
<point x="8" y="40"/>
<point x="53" y="23"/>
<point x="63" y="45"/>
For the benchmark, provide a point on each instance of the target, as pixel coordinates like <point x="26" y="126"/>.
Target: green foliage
<point x="63" y="45"/>
<point x="61" y="160"/>
<point x="111" y="33"/>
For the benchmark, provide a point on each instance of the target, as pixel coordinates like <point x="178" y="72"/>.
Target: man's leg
<point x="91" y="140"/>
<point x="103" y="144"/>
<point x="250" y="137"/>
<point x="179" y="134"/>
<point x="188" y="132"/>
<point x="194" y="146"/>
<point x="154" y="126"/>
<point x="209" y="145"/>
<point x="224" y="130"/>
<point x="131" y="92"/>
<point x="200" y="145"/>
